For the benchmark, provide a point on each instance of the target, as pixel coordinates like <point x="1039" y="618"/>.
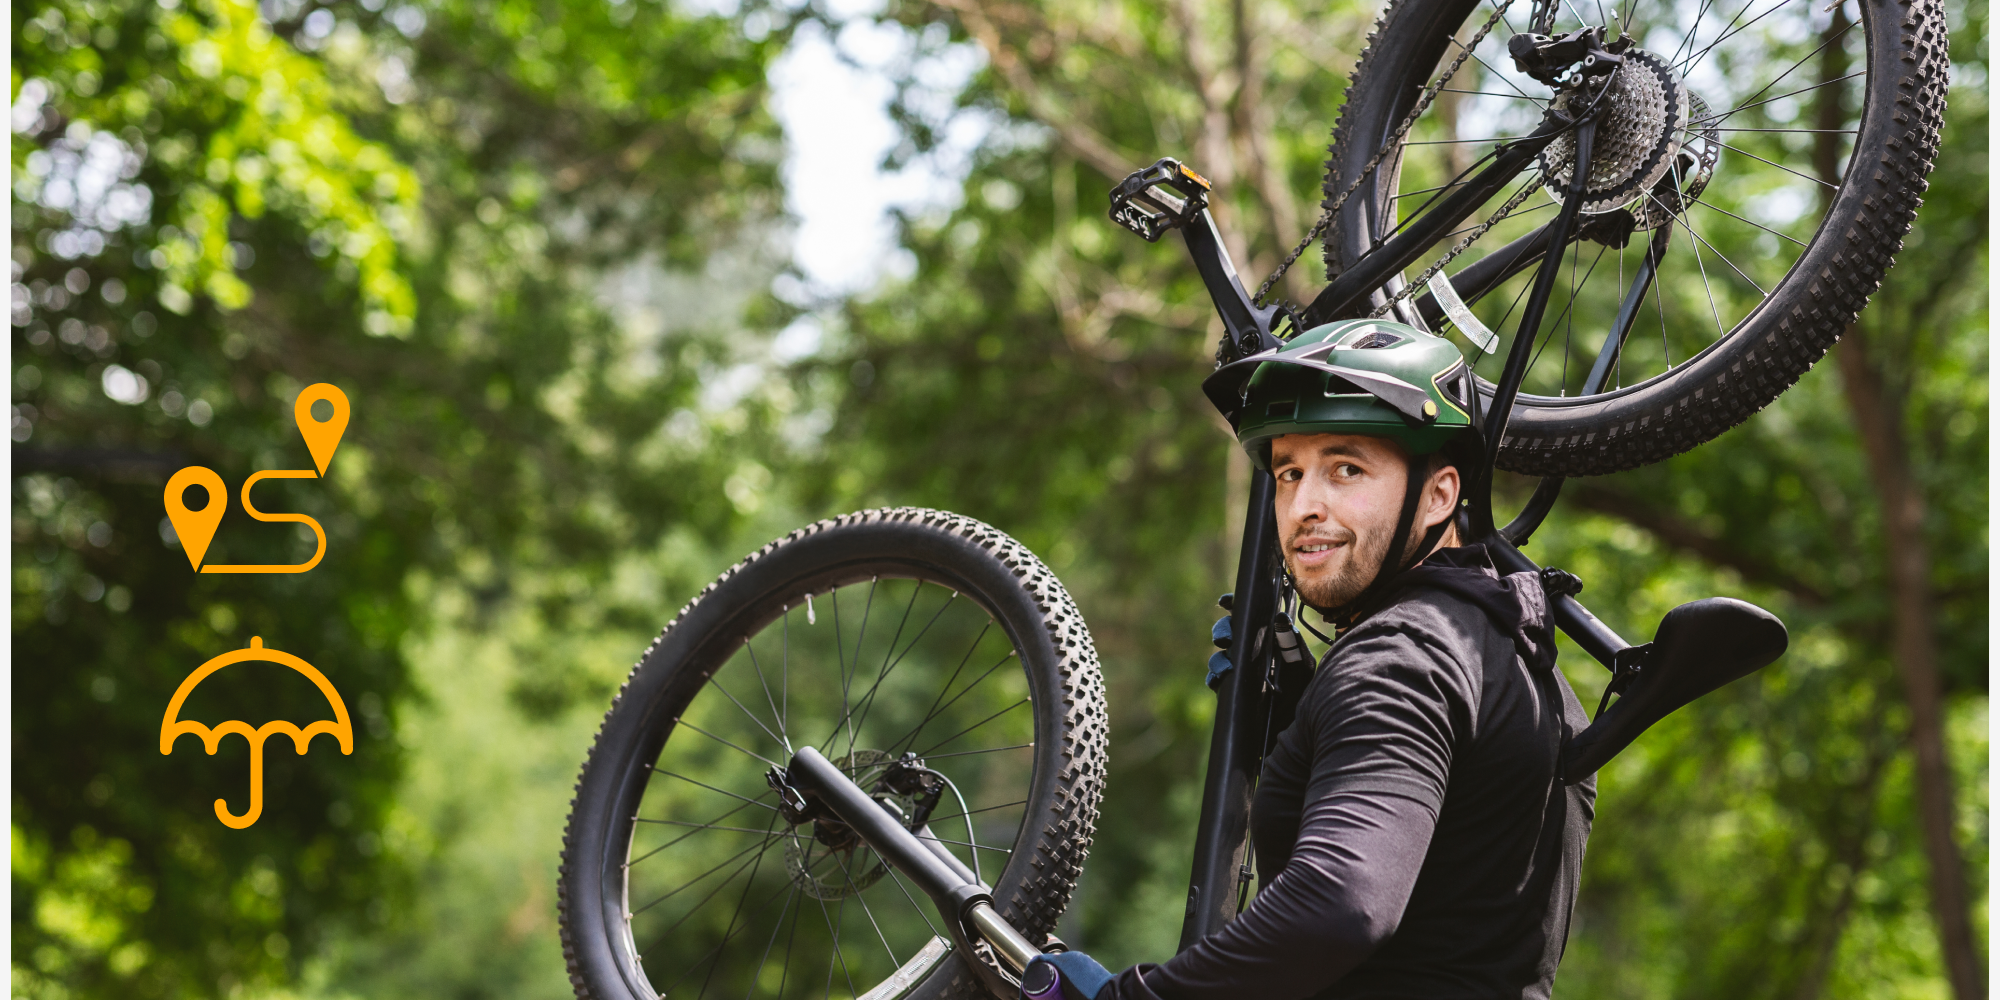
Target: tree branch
<point x="1678" y="533"/>
<point x="1082" y="141"/>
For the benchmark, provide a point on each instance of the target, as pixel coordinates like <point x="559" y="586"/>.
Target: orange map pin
<point x="322" y="436"/>
<point x="196" y="528"/>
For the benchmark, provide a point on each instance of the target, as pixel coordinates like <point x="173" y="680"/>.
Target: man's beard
<point x="1364" y="562"/>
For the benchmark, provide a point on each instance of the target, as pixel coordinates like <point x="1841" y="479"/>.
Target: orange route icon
<point x="196" y="528"/>
<point x="172" y="727"/>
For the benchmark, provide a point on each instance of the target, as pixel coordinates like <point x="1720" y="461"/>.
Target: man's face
<point x="1338" y="499"/>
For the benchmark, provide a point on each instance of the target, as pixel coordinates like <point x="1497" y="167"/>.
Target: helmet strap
<point x="1393" y="564"/>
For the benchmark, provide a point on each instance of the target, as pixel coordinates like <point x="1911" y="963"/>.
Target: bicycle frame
<point x="1699" y="647"/>
<point x="1247" y="701"/>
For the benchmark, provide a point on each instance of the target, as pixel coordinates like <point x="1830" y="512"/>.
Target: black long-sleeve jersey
<point x="1412" y="837"/>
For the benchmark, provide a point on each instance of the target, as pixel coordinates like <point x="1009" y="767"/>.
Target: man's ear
<point x="1441" y="496"/>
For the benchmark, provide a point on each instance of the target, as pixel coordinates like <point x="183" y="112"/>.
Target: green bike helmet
<point x="1358" y="377"/>
<point x="1352" y="377"/>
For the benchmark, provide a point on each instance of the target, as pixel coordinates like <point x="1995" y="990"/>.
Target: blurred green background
<point x="608" y="321"/>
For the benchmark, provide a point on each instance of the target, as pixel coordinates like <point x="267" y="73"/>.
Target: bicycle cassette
<point x="1639" y="135"/>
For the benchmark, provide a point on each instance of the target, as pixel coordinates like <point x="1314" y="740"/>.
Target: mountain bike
<point x="867" y="760"/>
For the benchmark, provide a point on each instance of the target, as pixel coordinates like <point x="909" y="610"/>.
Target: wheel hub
<point x="1643" y="150"/>
<point x="809" y="844"/>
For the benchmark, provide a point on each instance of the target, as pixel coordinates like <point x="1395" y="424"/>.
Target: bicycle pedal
<point x="1139" y="204"/>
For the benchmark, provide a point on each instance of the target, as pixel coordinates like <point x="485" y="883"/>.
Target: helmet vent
<point x="1282" y="408"/>
<point x="1376" y="339"/>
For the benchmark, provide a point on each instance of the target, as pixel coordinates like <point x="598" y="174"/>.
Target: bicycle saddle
<point x="1700" y="646"/>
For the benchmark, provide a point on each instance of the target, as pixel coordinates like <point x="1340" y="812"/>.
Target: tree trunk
<point x="1879" y="423"/>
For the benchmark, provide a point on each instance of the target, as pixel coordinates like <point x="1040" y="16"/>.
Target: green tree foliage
<point x="217" y="204"/>
<point x="526" y="239"/>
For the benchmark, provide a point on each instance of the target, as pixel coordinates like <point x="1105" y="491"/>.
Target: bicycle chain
<point x="1424" y="100"/>
<point x="1521" y="196"/>
<point x="1423" y="279"/>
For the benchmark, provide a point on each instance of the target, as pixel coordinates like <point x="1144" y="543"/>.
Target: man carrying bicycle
<point x="1412" y="835"/>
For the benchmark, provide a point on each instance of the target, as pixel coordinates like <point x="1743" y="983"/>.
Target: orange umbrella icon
<point x="171" y="728"/>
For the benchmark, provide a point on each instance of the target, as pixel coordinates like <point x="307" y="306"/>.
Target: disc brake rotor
<point x="807" y="848"/>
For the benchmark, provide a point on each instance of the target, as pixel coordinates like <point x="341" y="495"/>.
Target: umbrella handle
<point x="222" y="812"/>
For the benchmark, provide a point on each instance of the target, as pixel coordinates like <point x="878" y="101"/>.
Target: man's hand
<point x="1080" y="976"/>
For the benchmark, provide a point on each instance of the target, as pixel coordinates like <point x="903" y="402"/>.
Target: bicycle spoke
<point x="765" y="844"/>
<point x="753" y="864"/>
<point x="931" y="712"/>
<point x="1521" y="213"/>
<point x="682" y="837"/>
<point x="1780" y="166"/>
<point x="833" y="928"/>
<point x="961" y="843"/>
<point x="1550" y="338"/>
<point x="698" y="826"/>
<point x="846" y="706"/>
<point x="1569" y="325"/>
<point x="1456" y="142"/>
<point x="785" y="976"/>
<point x="1724" y="257"/>
<point x="727" y="932"/>
<point x="785" y="674"/>
<point x="1745" y="221"/>
<point x="717" y="683"/>
<point x="712" y="788"/>
<point x="1539" y="101"/>
<point x="898" y="879"/>
<point x="975" y="812"/>
<point x="762" y="907"/>
<point x="868" y="703"/>
<point x="732" y="746"/>
<point x="1706" y="288"/>
<point x="1697" y="58"/>
<point x="880" y="675"/>
<point x="1687" y="42"/>
<point x="1801" y="131"/>
<point x="911" y="736"/>
<point x="870" y="914"/>
<point x="966" y="753"/>
<point x="1837" y="36"/>
<point x="775" y="714"/>
<point x="839" y="646"/>
<point x="775" y="928"/>
<point x="974" y="726"/>
<point x="1723" y="115"/>
<point x="1489" y="67"/>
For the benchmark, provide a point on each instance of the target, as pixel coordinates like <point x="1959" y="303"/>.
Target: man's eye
<point x="1289" y="476"/>
<point x="1348" y="469"/>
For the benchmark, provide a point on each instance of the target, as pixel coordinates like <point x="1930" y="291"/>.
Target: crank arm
<point x="965" y="903"/>
<point x="1249" y="327"/>
<point x="1351" y="290"/>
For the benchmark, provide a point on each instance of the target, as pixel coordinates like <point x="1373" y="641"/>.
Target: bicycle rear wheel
<point x="867" y="636"/>
<point x="1768" y="154"/>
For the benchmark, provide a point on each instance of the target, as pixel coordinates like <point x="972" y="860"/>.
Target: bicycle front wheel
<point x="1757" y="164"/>
<point x="867" y="636"/>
